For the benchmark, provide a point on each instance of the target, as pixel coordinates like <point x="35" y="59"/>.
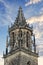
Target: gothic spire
<point x="20" y="14"/>
<point x="20" y="19"/>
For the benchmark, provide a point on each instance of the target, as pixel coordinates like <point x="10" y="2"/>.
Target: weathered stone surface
<point x="21" y="58"/>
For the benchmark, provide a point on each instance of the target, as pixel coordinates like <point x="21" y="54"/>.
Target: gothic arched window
<point x="13" y="36"/>
<point x="27" y="39"/>
<point x="28" y="63"/>
<point x="20" y="40"/>
<point x="20" y="33"/>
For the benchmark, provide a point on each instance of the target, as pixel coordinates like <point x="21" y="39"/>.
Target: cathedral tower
<point x="20" y="47"/>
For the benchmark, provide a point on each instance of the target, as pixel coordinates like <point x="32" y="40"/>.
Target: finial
<point x="20" y="8"/>
<point x="7" y="42"/>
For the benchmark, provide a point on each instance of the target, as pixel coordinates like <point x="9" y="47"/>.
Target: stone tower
<point x="20" y="47"/>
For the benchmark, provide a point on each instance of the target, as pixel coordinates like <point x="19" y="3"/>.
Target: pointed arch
<point x="28" y="63"/>
<point x="27" y="38"/>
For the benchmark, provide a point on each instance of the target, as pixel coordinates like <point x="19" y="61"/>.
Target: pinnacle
<point x="20" y="17"/>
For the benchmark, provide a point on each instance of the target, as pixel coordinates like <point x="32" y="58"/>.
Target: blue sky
<point x="33" y="12"/>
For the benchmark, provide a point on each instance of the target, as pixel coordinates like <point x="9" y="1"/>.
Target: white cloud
<point x="5" y="4"/>
<point x="1" y="0"/>
<point x="32" y="2"/>
<point x="40" y="60"/>
<point x="41" y="11"/>
<point x="8" y="16"/>
<point x="35" y="19"/>
<point x="40" y="47"/>
<point x="37" y="22"/>
<point x="1" y="60"/>
<point x="37" y="34"/>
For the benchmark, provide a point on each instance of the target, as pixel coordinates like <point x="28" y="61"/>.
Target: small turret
<point x="34" y="44"/>
<point x="7" y="45"/>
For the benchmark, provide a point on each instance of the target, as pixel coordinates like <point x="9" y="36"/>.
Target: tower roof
<point x="20" y="19"/>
